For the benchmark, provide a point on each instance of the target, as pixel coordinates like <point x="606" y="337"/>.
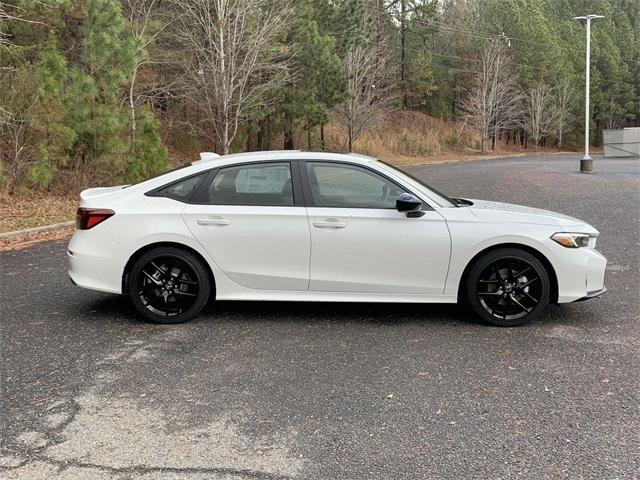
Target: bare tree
<point x="564" y="98"/>
<point x="493" y="103"/>
<point x="12" y="12"/>
<point x="539" y="116"/>
<point x="369" y="90"/>
<point x="146" y="22"/>
<point x="233" y="69"/>
<point x="17" y="152"/>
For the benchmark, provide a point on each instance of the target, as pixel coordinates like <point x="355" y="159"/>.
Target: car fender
<point x="465" y="251"/>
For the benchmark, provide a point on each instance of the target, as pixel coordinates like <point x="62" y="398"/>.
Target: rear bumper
<point x="590" y="295"/>
<point x="94" y="271"/>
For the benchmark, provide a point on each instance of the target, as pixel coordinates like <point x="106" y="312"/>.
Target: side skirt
<point x="312" y="296"/>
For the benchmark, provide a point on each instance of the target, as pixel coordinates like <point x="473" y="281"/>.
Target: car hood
<point x="507" y="212"/>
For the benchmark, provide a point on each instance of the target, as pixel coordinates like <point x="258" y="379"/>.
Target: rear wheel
<point x="169" y="285"/>
<point x="508" y="287"/>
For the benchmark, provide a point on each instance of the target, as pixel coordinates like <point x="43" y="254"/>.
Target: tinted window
<point x="181" y="190"/>
<point x="348" y="186"/>
<point x="257" y="184"/>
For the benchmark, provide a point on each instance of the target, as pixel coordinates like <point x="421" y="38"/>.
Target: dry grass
<point x="406" y="137"/>
<point x="35" y="209"/>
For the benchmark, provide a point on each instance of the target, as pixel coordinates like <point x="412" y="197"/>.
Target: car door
<point x="251" y="220"/>
<point x="361" y="243"/>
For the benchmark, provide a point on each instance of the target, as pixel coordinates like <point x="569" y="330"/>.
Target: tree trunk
<point x="322" y="144"/>
<point x="403" y="53"/>
<point x="260" y="136"/>
<point x="132" y="107"/>
<point x="288" y="140"/>
<point x="267" y="138"/>
<point x="560" y="139"/>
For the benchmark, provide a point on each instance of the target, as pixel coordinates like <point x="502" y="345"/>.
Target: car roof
<point x="281" y="155"/>
<point x="210" y="161"/>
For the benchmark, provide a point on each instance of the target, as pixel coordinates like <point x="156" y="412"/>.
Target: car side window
<point x="181" y="190"/>
<point x="261" y="184"/>
<point x="349" y="186"/>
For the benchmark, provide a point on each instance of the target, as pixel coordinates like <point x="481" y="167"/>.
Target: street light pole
<point x="586" y="164"/>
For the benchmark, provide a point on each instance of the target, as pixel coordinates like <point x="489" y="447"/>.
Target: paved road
<point x="333" y="391"/>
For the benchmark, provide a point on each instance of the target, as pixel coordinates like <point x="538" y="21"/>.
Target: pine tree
<point x="48" y="120"/>
<point x="93" y="98"/>
<point x="319" y="81"/>
<point x="149" y="155"/>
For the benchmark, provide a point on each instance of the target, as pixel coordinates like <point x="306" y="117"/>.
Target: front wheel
<point x="508" y="287"/>
<point x="169" y="285"/>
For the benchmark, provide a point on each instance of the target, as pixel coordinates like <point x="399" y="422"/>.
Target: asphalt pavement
<point x="254" y="390"/>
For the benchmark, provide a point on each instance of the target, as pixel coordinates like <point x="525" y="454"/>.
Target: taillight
<point x="87" y="218"/>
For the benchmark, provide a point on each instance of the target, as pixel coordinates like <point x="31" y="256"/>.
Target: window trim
<point x="302" y="195"/>
<point x="308" y="193"/>
<point x="200" y="196"/>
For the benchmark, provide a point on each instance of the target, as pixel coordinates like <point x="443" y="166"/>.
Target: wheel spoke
<point x="529" y="282"/>
<point x="497" y="270"/>
<point x="522" y="272"/>
<point x="150" y="277"/>
<point x="186" y="294"/>
<point x="535" y="300"/>
<point x="490" y="294"/>
<point x="515" y="300"/>
<point x="162" y="272"/>
<point x="509" y="272"/>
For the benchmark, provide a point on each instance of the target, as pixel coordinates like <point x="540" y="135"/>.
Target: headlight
<point x="574" y="240"/>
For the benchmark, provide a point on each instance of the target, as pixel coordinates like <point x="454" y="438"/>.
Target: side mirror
<point x="409" y="204"/>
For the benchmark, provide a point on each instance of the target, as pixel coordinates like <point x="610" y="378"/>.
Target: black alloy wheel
<point x="169" y="285"/>
<point x="508" y="287"/>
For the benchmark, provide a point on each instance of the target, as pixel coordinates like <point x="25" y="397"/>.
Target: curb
<point x="28" y="231"/>
<point x="489" y="157"/>
<point x="465" y="159"/>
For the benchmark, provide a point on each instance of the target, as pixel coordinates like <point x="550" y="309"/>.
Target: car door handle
<point x="213" y="221"/>
<point x="330" y="224"/>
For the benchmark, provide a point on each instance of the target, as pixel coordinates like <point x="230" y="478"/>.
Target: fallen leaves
<point x="21" y="211"/>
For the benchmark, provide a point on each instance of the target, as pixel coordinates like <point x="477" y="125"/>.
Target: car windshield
<point x="440" y="198"/>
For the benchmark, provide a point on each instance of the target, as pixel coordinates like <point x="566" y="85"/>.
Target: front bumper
<point x="590" y="295"/>
<point x="580" y="272"/>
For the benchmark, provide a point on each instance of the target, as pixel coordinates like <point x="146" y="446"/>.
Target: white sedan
<point x="305" y="226"/>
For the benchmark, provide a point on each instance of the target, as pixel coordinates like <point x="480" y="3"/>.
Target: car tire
<point x="507" y="287"/>
<point x="169" y="285"/>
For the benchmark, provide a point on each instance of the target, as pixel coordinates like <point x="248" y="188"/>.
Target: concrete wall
<point x="622" y="143"/>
